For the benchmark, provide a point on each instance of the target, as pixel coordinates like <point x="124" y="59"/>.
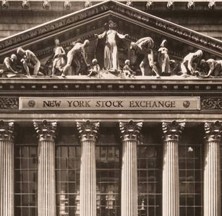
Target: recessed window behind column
<point x="149" y="165"/>
<point x="67" y="171"/>
<point x="108" y="172"/>
<point x="26" y="166"/>
<point x="191" y="171"/>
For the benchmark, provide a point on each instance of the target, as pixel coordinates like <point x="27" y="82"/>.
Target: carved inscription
<point x="119" y="103"/>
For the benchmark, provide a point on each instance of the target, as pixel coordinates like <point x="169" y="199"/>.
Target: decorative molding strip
<point x="8" y="103"/>
<point x="149" y="86"/>
<point x="82" y="84"/>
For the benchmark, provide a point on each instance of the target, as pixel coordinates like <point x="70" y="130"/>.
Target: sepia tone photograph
<point x="110" y="108"/>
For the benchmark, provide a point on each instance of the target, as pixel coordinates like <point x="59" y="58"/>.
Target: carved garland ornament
<point x="211" y="103"/>
<point x="9" y="103"/>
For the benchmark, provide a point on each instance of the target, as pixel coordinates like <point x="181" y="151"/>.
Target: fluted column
<point x="212" y="178"/>
<point x="170" y="181"/>
<point x="129" y="185"/>
<point x="88" y="135"/>
<point x="46" y="168"/>
<point x="6" y="168"/>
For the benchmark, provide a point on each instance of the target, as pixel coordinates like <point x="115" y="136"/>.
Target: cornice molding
<point x="51" y="27"/>
<point x="117" y="9"/>
<point x="83" y="86"/>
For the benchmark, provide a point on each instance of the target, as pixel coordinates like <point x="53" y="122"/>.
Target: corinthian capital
<point x="213" y="131"/>
<point x="130" y="130"/>
<point x="46" y="130"/>
<point x="88" y="130"/>
<point x="6" y="131"/>
<point x="172" y="130"/>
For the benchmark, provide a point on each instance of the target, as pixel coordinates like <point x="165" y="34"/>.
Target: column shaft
<point x="6" y="178"/>
<point x="129" y="188"/>
<point x="46" y="168"/>
<point x="6" y="169"/>
<point x="46" y="179"/>
<point x="88" y="180"/>
<point x="129" y="182"/>
<point x="170" y="181"/>
<point x="88" y="135"/>
<point x="212" y="175"/>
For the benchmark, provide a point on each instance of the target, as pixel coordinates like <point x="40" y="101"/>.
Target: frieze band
<point x="206" y="103"/>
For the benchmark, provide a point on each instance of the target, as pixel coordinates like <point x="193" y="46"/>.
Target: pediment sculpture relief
<point x="141" y="58"/>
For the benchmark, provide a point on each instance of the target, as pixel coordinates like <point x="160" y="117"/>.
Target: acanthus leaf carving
<point x="130" y="130"/>
<point x="45" y="130"/>
<point x="213" y="131"/>
<point x="6" y="131"/>
<point x="172" y="130"/>
<point x="88" y="130"/>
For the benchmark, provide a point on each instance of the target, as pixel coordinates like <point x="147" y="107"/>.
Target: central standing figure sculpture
<point x="110" y="53"/>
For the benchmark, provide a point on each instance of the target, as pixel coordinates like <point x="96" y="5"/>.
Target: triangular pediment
<point x="89" y="21"/>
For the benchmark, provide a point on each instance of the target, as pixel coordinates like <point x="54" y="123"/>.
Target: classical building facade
<point x="111" y="145"/>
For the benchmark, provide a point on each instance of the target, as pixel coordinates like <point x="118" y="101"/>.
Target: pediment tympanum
<point x="140" y="38"/>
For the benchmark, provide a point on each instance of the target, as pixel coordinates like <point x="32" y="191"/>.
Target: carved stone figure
<point x="214" y="66"/>
<point x="29" y="61"/>
<point x="59" y="58"/>
<point x="111" y="37"/>
<point x="10" y="65"/>
<point x="143" y="49"/>
<point x="77" y="57"/>
<point x="127" y="71"/>
<point x="95" y="69"/>
<point x="189" y="63"/>
<point x="163" y="58"/>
